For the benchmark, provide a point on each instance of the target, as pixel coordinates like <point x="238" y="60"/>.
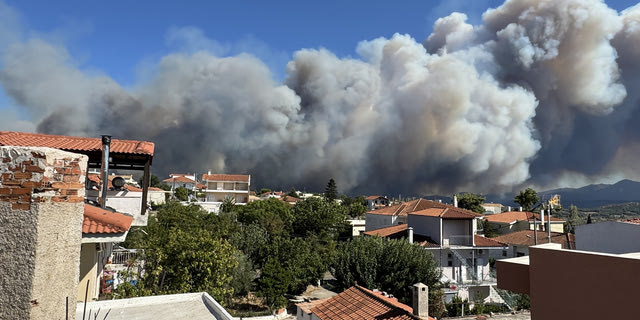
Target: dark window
<point x="504" y="253"/>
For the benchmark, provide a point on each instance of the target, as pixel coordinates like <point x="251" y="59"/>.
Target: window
<point x="450" y="263"/>
<point x="504" y="253"/>
<point x="449" y="256"/>
<point x="519" y="254"/>
<point x="480" y="251"/>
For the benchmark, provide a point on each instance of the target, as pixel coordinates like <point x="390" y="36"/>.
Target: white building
<point x="492" y="208"/>
<point x="450" y="233"/>
<point x="222" y="186"/>
<point x="177" y="180"/>
<point x="394" y="215"/>
<point x="375" y="202"/>
<point x="511" y="221"/>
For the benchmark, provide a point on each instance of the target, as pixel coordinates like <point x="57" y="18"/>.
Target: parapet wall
<point x="41" y="213"/>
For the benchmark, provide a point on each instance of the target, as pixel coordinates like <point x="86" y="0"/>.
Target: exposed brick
<point x="6" y="160"/>
<point x="39" y="199"/>
<point x="22" y="175"/>
<point x="11" y="183"/>
<point x="27" y="162"/>
<point x="59" y="199"/>
<point x="25" y="198"/>
<point x="75" y="199"/>
<point x="60" y="185"/>
<point x="5" y="190"/>
<point x="63" y="170"/>
<point x="71" y="178"/>
<point x="34" y="169"/>
<point x="38" y="155"/>
<point x="16" y="168"/>
<point x="69" y="192"/>
<point x="6" y="176"/>
<point x="20" y="190"/>
<point x="20" y="206"/>
<point x="76" y="170"/>
<point x="32" y="184"/>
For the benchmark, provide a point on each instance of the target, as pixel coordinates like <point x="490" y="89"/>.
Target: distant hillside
<point x="596" y="195"/>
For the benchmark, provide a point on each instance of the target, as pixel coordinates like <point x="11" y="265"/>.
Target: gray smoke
<point x="541" y="93"/>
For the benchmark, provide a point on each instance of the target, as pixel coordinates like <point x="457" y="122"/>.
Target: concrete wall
<point x="377" y="221"/>
<point x="459" y="232"/>
<point x="426" y="226"/>
<point x="556" y="226"/>
<point x="127" y="202"/>
<point x="41" y="212"/>
<point x="570" y="284"/>
<point x="598" y="237"/>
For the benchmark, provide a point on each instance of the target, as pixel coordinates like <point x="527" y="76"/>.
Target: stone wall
<point x="41" y="213"/>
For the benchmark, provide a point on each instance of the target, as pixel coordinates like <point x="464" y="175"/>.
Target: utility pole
<point x="549" y="223"/>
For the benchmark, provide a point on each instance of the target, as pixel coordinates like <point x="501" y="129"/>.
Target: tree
<point x="471" y="202"/>
<point x="574" y="219"/>
<point x="331" y="191"/>
<point x="527" y="199"/>
<point x="181" y="193"/>
<point x="264" y="190"/>
<point x="313" y="216"/>
<point x="273" y="284"/>
<point x="389" y="265"/>
<point x="228" y="205"/>
<point x="243" y="274"/>
<point x="293" y="193"/>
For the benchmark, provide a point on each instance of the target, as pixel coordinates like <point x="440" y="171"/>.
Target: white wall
<point x="426" y="226"/>
<point x="459" y="232"/>
<point x="608" y="237"/>
<point x="128" y="202"/>
<point x="377" y="221"/>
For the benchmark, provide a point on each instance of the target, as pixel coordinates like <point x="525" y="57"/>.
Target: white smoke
<point x="513" y="101"/>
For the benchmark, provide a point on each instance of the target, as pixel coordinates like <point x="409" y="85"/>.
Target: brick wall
<point x="41" y="212"/>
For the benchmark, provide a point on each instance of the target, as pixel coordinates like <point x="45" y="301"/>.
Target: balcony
<point x="458" y="241"/>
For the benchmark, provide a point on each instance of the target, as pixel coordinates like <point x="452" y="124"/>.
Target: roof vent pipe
<point x="455" y="200"/>
<point x="520" y="209"/>
<point x="106" y="143"/>
<point x="410" y="229"/>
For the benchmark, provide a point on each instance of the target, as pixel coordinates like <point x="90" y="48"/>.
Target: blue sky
<point x="120" y="37"/>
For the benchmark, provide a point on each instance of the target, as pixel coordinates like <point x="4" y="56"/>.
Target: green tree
<point x="356" y="207"/>
<point x="390" y="265"/>
<point x="293" y="193"/>
<point x="181" y="193"/>
<point x="243" y="275"/>
<point x="264" y="190"/>
<point x="527" y="199"/>
<point x="331" y="191"/>
<point x="228" y="205"/>
<point x="471" y="202"/>
<point x="313" y="216"/>
<point x="272" y="214"/>
<point x="574" y="219"/>
<point x="273" y="284"/>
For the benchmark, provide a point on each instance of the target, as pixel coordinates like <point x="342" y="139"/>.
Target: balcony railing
<point x="124" y="256"/>
<point x="464" y="240"/>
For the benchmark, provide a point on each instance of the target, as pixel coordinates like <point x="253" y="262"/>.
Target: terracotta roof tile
<point x="634" y="221"/>
<point x="513" y="216"/>
<point x="98" y="220"/>
<point x="481" y="241"/>
<point x="373" y="197"/>
<point x="226" y="177"/>
<point x="445" y="211"/>
<point x="179" y="179"/>
<point x="9" y="138"/>
<point x="527" y="238"/>
<point x="358" y="303"/>
<point x="400" y="229"/>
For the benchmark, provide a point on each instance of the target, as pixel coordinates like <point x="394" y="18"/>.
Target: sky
<point x="69" y="57"/>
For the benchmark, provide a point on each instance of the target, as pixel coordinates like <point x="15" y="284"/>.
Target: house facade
<point x="394" y="215"/>
<point x="511" y="221"/>
<point x="450" y="234"/>
<point x="219" y="187"/>
<point x="375" y="202"/>
<point x="520" y="241"/>
<point x="177" y="180"/>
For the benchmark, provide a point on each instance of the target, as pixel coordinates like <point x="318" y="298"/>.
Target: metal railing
<point x="124" y="256"/>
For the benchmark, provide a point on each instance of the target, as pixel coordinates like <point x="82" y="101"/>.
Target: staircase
<point x="463" y="261"/>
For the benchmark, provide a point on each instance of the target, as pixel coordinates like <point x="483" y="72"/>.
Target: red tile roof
<point x="433" y="208"/>
<point x="98" y="220"/>
<point x="373" y="197"/>
<point x="9" y="138"/>
<point x="359" y="303"/>
<point x="400" y="230"/>
<point x="634" y="221"/>
<point x="481" y="241"/>
<point x="307" y="306"/>
<point x="513" y="216"/>
<point x="226" y="177"/>
<point x="527" y="238"/>
<point x="155" y="189"/>
<point x="178" y="179"/>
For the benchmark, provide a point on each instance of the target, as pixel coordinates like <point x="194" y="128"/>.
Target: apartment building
<point x="219" y="187"/>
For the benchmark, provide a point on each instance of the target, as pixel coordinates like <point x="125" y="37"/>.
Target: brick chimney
<point x="41" y="209"/>
<point x="421" y="300"/>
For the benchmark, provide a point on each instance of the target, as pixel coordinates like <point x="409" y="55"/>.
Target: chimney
<point x="455" y="200"/>
<point x="421" y="300"/>
<point x="520" y="209"/>
<point x="410" y="230"/>
<point x="106" y="143"/>
<point x="209" y="172"/>
<point x="542" y="217"/>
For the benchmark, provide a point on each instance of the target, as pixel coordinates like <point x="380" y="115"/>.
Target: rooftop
<point x="513" y="216"/>
<point x="400" y="231"/>
<point x="361" y="303"/>
<point x="99" y="220"/>
<point x="123" y="152"/>
<point x="527" y="238"/>
<point x="443" y="210"/>
<point x="192" y="306"/>
<point x="178" y="179"/>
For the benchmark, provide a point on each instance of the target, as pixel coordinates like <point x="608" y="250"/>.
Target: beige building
<point x="571" y="284"/>
<point x="222" y="186"/>
<point x="512" y="221"/>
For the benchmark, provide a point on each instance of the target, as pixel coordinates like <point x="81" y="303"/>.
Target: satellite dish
<point x="118" y="182"/>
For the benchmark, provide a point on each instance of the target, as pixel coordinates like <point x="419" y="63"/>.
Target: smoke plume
<point x="542" y="93"/>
